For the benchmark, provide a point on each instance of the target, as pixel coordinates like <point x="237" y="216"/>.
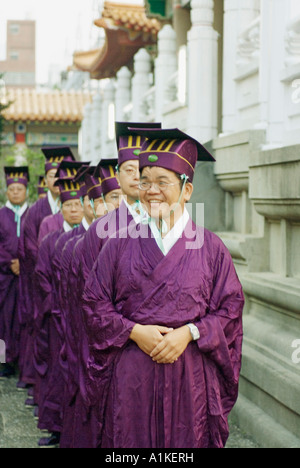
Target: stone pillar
<point x="96" y="129"/>
<point x="140" y="84"/>
<point x="86" y="133"/>
<point x="123" y="92"/>
<point x="237" y="16"/>
<point x="274" y="19"/>
<point x="202" y="72"/>
<point x="165" y="67"/>
<point x="107" y="151"/>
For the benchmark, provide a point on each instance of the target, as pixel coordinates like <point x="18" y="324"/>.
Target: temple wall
<point x="252" y="193"/>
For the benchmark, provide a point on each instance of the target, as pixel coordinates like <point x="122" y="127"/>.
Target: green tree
<point x="17" y="155"/>
<point x="27" y="157"/>
<point x="3" y="106"/>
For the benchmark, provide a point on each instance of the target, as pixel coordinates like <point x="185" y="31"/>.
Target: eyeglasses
<point x="161" y="186"/>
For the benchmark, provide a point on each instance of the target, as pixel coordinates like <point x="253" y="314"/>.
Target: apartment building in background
<point x="19" y="68"/>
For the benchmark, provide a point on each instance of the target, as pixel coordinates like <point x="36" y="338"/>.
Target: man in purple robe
<point x="11" y="233"/>
<point x="87" y="249"/>
<point x="47" y="321"/>
<point x="129" y="147"/>
<point x="77" y="434"/>
<point x="52" y="223"/>
<point x="164" y="315"/>
<point x="66" y="170"/>
<point x="42" y="208"/>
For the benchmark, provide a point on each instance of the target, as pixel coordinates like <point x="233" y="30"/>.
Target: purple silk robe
<point x="44" y="340"/>
<point x="78" y="414"/>
<point x="35" y="216"/>
<point x="50" y="224"/>
<point x="70" y="305"/>
<point x="10" y="297"/>
<point x="86" y="252"/>
<point x="143" y="404"/>
<point x="22" y="303"/>
<point x="98" y="234"/>
<point x="52" y="398"/>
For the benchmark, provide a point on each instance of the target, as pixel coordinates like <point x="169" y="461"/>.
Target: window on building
<point x="14" y="55"/>
<point x="14" y="28"/>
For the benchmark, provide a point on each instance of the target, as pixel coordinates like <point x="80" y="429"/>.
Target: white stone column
<point x="274" y="20"/>
<point x="140" y="84"/>
<point x="237" y="16"/>
<point x="202" y="72"/>
<point x="86" y="133"/>
<point x="108" y="104"/>
<point x="96" y="129"/>
<point x="123" y="92"/>
<point x="165" y="67"/>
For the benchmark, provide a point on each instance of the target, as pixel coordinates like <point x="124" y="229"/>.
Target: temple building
<point x="43" y="118"/>
<point x="228" y="73"/>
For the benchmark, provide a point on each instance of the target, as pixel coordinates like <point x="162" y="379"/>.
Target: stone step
<point x="18" y="428"/>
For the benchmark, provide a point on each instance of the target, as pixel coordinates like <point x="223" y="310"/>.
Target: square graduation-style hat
<point x="69" y="190"/>
<point x="80" y="178"/>
<point x="129" y="143"/>
<point x="107" y="174"/>
<point x="42" y="187"/>
<point x="69" y="169"/>
<point x="171" y="149"/>
<point x="17" y="175"/>
<point x="55" y="155"/>
<point x="93" y="184"/>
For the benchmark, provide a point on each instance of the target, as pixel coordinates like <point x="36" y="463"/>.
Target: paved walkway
<point x="18" y="427"/>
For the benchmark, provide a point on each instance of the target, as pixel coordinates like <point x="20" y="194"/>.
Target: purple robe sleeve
<point x="9" y="284"/>
<point x="50" y="224"/>
<point x="221" y="330"/>
<point x="107" y="329"/>
<point x="43" y="302"/>
<point x="5" y="260"/>
<point x="5" y="251"/>
<point x="91" y="250"/>
<point x="33" y="220"/>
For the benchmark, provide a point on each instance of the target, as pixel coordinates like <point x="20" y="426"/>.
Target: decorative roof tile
<point x="127" y="29"/>
<point x="48" y="106"/>
<point x="130" y="17"/>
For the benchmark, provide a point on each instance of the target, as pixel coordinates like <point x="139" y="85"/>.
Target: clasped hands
<point x="15" y="267"/>
<point x="164" y="345"/>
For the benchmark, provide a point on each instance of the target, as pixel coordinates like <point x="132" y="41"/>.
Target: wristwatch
<point x="194" y="331"/>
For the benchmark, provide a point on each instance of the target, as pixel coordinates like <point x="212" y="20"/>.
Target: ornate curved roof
<point x="127" y="29"/>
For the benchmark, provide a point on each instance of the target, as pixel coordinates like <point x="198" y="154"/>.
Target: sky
<point x="62" y="26"/>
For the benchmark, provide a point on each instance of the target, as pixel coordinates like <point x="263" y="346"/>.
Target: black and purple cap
<point x="80" y="178"/>
<point x="56" y="155"/>
<point x="171" y="149"/>
<point x="129" y="143"/>
<point x="93" y="184"/>
<point x="107" y="173"/>
<point x="69" y="169"/>
<point x="42" y="186"/>
<point x="69" y="190"/>
<point x="17" y="175"/>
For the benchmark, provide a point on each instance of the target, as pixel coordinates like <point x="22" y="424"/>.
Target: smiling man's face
<point x="163" y="192"/>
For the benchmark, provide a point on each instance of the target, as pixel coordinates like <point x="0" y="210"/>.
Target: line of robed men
<point x="61" y="359"/>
